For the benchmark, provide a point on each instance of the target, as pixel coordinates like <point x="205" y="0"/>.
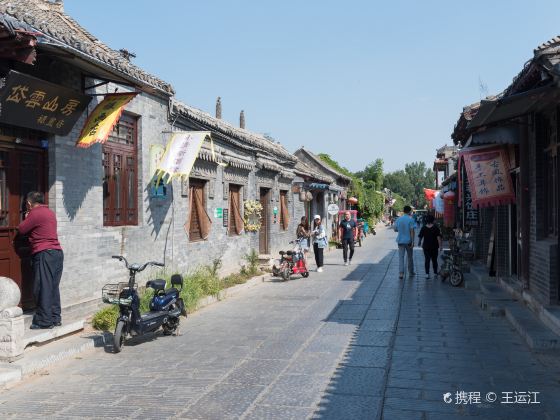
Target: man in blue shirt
<point x="405" y="240"/>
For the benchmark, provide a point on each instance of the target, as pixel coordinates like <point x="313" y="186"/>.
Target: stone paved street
<point x="349" y="343"/>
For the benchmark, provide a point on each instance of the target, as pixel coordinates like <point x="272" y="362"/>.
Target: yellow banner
<point x="101" y="121"/>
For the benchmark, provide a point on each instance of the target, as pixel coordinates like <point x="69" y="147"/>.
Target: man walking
<point x="405" y="240"/>
<point x="47" y="257"/>
<point x="347" y="233"/>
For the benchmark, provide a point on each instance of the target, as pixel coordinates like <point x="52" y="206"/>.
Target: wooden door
<point x="263" y="232"/>
<point x="21" y="171"/>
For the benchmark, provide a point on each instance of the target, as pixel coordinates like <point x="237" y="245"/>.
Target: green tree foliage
<point x="410" y="183"/>
<point x="373" y="173"/>
<point x="420" y="177"/>
<point x="364" y="186"/>
<point x="399" y="182"/>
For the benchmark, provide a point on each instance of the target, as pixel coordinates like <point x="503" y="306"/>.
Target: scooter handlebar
<point x="121" y="258"/>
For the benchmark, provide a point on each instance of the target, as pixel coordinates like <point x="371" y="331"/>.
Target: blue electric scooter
<point x="165" y="306"/>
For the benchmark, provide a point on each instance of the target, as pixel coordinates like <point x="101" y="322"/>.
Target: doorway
<point x="22" y="170"/>
<point x="264" y="231"/>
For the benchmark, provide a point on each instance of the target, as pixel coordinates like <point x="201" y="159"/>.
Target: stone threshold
<point x="45" y="348"/>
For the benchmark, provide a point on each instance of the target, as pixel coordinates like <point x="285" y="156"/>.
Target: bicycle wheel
<point x="118" y="336"/>
<point x="456" y="278"/>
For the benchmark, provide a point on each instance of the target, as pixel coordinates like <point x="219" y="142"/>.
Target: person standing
<point x="405" y="240"/>
<point x="347" y="234"/>
<point x="47" y="258"/>
<point x="432" y="240"/>
<point x="302" y="235"/>
<point x="319" y="241"/>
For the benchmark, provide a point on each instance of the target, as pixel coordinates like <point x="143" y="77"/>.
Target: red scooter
<point x="291" y="262"/>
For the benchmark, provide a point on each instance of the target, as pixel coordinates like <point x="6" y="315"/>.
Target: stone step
<point x="44" y="336"/>
<point x="535" y="333"/>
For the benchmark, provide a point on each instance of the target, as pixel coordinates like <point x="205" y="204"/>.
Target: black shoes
<point x="45" y="327"/>
<point x="40" y="327"/>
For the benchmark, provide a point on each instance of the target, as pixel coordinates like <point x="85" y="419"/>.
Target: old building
<point x="335" y="191"/>
<point x="521" y="123"/>
<point x="252" y="168"/>
<point x="106" y="197"/>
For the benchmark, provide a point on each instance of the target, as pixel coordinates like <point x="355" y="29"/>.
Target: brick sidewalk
<point x="349" y="343"/>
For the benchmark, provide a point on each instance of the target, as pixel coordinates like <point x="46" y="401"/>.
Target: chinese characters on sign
<point x="180" y="153"/>
<point x="488" y="176"/>
<point x="470" y="213"/>
<point x="29" y="102"/>
<point x="101" y="121"/>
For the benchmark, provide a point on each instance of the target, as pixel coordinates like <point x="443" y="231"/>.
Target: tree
<point x="420" y="177"/>
<point x="373" y="173"/>
<point x="399" y="182"/>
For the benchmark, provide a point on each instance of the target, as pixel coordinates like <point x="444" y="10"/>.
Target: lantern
<point x="309" y="196"/>
<point x="302" y="196"/>
<point x="449" y="209"/>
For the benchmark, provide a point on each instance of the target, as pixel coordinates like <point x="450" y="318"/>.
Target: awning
<point x="508" y="134"/>
<point x="488" y="173"/>
<point x="317" y="186"/>
<point x="491" y="111"/>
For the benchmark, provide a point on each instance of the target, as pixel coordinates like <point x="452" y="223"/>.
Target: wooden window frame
<point x="283" y="198"/>
<point x="127" y="213"/>
<point x="195" y="235"/>
<point x="232" y="189"/>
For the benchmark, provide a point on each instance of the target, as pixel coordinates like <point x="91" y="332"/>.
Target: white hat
<point x="316" y="217"/>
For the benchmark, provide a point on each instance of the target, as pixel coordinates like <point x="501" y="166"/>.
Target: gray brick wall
<point x="75" y="194"/>
<point x="543" y="250"/>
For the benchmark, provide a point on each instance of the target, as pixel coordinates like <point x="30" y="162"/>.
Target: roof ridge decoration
<point x="59" y="29"/>
<point x="256" y="140"/>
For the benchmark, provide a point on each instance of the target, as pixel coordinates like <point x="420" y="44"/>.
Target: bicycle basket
<point x="117" y="294"/>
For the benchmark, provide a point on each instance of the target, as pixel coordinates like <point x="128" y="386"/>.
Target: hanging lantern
<point x="449" y="209"/>
<point x="309" y="196"/>
<point x="335" y="198"/>
<point x="302" y="196"/>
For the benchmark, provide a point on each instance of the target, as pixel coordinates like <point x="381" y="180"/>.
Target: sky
<point x="359" y="80"/>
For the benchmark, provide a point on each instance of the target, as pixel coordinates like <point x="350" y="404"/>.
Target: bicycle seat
<point x="290" y="252"/>
<point x="282" y="252"/>
<point x="157" y="284"/>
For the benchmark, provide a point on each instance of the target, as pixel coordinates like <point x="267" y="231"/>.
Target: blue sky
<point x="359" y="80"/>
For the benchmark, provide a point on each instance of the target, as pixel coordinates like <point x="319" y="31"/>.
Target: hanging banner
<point x="180" y="154"/>
<point x="488" y="176"/>
<point x="103" y="118"/>
<point x="470" y="213"/>
<point x="34" y="103"/>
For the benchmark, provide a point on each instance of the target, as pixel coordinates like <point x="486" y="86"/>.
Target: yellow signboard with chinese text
<point x="101" y="121"/>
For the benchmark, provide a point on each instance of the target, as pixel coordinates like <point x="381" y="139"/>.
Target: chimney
<point x="242" y="119"/>
<point x="219" y="108"/>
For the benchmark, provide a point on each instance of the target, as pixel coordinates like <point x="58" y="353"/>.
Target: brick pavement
<point x="350" y="343"/>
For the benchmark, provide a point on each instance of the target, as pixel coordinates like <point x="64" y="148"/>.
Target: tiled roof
<point x="302" y="168"/>
<point x="256" y="140"/>
<point x="322" y="164"/>
<point x="60" y="30"/>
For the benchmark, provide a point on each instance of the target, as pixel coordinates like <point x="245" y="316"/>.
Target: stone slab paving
<point x="349" y="343"/>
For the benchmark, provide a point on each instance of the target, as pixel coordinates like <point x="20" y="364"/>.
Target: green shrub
<point x="106" y="318"/>
<point x="252" y="259"/>
<point x="202" y="282"/>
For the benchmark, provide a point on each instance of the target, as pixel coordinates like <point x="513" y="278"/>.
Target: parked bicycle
<point x="460" y="250"/>
<point x="165" y="306"/>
